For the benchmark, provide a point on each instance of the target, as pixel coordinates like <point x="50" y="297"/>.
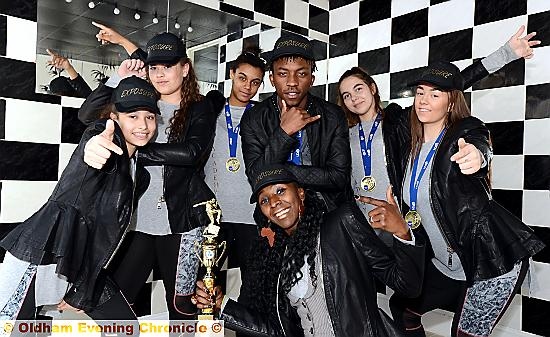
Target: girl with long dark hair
<point x="167" y="224"/>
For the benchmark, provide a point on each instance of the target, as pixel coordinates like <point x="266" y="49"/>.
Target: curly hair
<point x="189" y="95"/>
<point x="286" y="257"/>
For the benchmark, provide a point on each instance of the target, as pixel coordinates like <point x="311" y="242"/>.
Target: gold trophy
<point x="207" y="251"/>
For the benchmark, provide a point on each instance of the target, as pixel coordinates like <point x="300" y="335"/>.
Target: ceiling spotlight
<point x="190" y="29"/>
<point x="116" y="11"/>
<point x="68" y="1"/>
<point x="137" y="16"/>
<point x="177" y="25"/>
<point x="155" y="19"/>
<point x="91" y="4"/>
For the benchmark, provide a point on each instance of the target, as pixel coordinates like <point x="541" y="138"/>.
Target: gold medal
<point x="368" y="183"/>
<point x="412" y="218"/>
<point x="232" y="164"/>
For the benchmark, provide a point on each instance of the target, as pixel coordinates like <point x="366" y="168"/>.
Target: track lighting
<point x="137" y="16"/>
<point x="155" y="19"/>
<point x="91" y="5"/>
<point x="116" y="11"/>
<point x="190" y="29"/>
<point x="177" y="25"/>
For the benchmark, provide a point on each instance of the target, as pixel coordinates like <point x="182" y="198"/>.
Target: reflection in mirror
<point x="66" y="29"/>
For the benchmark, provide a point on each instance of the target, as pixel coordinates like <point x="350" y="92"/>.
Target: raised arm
<point x="516" y="47"/>
<point x="109" y="35"/>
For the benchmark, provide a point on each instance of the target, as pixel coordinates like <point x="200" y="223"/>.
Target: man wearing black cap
<point x="306" y="133"/>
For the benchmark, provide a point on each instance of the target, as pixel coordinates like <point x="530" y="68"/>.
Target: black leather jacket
<point x="488" y="239"/>
<point x="351" y="257"/>
<point x="397" y="134"/>
<point x="263" y="141"/>
<point x="183" y="159"/>
<point x="82" y="223"/>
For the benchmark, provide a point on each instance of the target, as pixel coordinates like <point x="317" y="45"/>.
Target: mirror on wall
<point x="66" y="28"/>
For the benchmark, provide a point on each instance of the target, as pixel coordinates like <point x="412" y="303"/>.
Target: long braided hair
<point x="286" y="257"/>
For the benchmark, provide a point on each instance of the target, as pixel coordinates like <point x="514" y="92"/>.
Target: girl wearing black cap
<point x="167" y="224"/>
<point x="480" y="251"/>
<point x="318" y="278"/>
<point x="380" y="138"/>
<point x="71" y="239"/>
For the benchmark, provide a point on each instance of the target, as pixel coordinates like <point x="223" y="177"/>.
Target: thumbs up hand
<point x="386" y="215"/>
<point x="468" y="157"/>
<point x="98" y="149"/>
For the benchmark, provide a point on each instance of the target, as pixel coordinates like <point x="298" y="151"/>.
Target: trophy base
<point x="205" y="317"/>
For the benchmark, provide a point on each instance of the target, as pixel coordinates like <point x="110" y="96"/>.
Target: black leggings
<point x="438" y="292"/>
<point x="134" y="263"/>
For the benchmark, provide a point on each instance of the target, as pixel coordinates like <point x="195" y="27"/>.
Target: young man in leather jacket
<point x="305" y="133"/>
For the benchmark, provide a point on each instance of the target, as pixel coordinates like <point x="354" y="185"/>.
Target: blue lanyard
<point x="296" y="154"/>
<point x="232" y="133"/>
<point x="366" y="149"/>
<point x="415" y="182"/>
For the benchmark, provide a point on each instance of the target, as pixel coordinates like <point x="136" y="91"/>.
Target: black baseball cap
<point x="292" y="45"/>
<point x="134" y="93"/>
<point x="443" y="75"/>
<point x="269" y="175"/>
<point x="165" y="48"/>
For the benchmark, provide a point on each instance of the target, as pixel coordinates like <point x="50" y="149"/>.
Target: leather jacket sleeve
<point x="476" y="133"/>
<point x="473" y="73"/>
<point x="238" y="317"/>
<point x="259" y="145"/>
<point x="139" y="54"/>
<point x="401" y="268"/>
<point x="198" y="139"/>
<point x="97" y="100"/>
<point x="335" y="174"/>
<point x="80" y="86"/>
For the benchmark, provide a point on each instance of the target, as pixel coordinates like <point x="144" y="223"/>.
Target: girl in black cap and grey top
<point x="480" y="251"/>
<point x="167" y="224"/>
<point x="71" y="239"/>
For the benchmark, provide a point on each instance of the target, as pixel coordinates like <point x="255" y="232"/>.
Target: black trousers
<point x="134" y="261"/>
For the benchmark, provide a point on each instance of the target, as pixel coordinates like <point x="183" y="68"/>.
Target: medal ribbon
<point x="232" y="132"/>
<point x="366" y="148"/>
<point x="415" y="183"/>
<point x="296" y="154"/>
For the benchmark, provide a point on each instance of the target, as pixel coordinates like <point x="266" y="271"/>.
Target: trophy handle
<point x="198" y="251"/>
<point x="224" y="245"/>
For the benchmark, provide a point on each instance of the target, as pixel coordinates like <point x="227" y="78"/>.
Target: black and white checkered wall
<point x="391" y="39"/>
